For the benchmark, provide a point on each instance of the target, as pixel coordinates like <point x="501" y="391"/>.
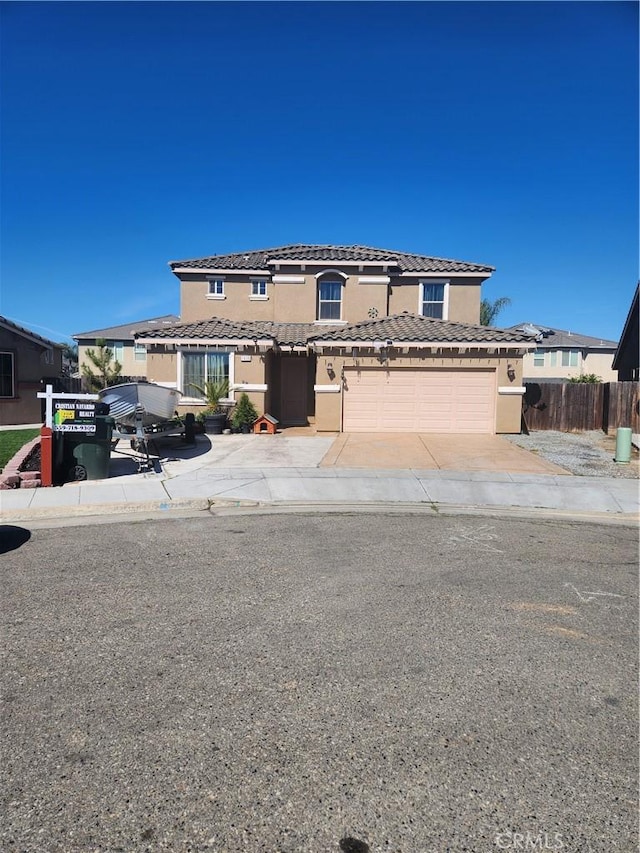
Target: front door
<point x="294" y="373"/>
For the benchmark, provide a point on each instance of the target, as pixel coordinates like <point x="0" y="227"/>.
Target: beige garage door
<point x="419" y="401"/>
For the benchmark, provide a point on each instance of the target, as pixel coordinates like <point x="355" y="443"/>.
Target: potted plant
<point x="244" y="415"/>
<point x="214" y="416"/>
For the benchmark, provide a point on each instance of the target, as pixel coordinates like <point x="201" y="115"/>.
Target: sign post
<point x="77" y="414"/>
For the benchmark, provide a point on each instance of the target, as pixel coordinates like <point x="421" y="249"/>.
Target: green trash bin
<point x="86" y="455"/>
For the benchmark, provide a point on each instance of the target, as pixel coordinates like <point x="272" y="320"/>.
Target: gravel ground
<point x="587" y="454"/>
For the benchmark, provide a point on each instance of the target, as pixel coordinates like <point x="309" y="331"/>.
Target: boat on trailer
<point x="142" y="411"/>
<point x="141" y="404"/>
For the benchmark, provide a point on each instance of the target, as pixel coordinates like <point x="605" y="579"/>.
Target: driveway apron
<point x="450" y="452"/>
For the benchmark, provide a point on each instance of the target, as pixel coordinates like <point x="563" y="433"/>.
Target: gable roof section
<point x="126" y="331"/>
<point x="27" y="333"/>
<point x="262" y="259"/>
<point x="399" y="328"/>
<point x="558" y="338"/>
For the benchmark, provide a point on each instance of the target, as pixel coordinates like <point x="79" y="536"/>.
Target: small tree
<point x="107" y="370"/>
<point x="244" y="413"/>
<point x="490" y="310"/>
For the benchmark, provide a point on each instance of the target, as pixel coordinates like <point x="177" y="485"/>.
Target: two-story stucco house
<point x="348" y="338"/>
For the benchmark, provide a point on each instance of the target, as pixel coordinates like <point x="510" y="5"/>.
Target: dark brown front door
<point x="293" y="390"/>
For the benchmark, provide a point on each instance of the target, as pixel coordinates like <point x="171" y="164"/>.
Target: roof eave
<point x="519" y="345"/>
<point x="203" y="341"/>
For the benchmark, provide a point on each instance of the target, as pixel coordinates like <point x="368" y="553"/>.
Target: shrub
<point x="245" y="412"/>
<point x="586" y="377"/>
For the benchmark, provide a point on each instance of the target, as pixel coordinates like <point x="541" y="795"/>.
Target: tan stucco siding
<point x="161" y="367"/>
<point x="295" y="303"/>
<point x="250" y="373"/>
<point x="298" y="302"/>
<point x="508" y="406"/>
<point x="464" y="303"/>
<point x="463" y="299"/>
<point x="131" y="366"/>
<point x="235" y="304"/>
<point x="588" y="362"/>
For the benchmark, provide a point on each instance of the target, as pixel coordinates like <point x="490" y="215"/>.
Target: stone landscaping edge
<point x="12" y="477"/>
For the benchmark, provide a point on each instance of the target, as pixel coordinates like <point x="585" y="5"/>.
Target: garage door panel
<point x="419" y="401"/>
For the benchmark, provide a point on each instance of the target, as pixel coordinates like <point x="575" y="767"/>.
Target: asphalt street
<point x="317" y="683"/>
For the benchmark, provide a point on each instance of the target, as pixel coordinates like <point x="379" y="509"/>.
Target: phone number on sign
<point x="75" y="428"/>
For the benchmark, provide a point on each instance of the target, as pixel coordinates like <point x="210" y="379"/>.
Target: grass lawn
<point x="11" y="440"/>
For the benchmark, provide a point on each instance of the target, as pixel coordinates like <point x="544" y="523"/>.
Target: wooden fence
<point x="580" y="406"/>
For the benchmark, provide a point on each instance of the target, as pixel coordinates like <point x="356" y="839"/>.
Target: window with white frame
<point x="259" y="288"/>
<point x="432" y="299"/>
<point x="538" y="358"/>
<point x="198" y="368"/>
<point x="570" y="357"/>
<point x="553" y="358"/>
<point x="329" y="300"/>
<point x="7" y="373"/>
<point x="118" y="351"/>
<point x="216" y="288"/>
<point x="139" y="352"/>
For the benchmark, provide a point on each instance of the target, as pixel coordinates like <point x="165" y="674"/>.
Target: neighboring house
<point x="120" y="340"/>
<point x="627" y="354"/>
<point x="26" y="360"/>
<point x="345" y="337"/>
<point x="560" y="355"/>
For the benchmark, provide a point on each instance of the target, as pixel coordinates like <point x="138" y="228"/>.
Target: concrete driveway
<point x="434" y="452"/>
<point x="294" y="449"/>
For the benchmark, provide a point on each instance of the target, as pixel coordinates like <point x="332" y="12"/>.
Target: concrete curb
<point x="107" y="509"/>
<point x="428" y="508"/>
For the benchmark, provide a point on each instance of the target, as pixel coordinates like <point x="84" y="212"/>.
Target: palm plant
<point x="212" y="392"/>
<point x="490" y="310"/>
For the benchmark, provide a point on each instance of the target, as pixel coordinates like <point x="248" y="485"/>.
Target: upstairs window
<point x="432" y="300"/>
<point x="118" y="351"/>
<point x="259" y="288"/>
<point x="570" y="357"/>
<point x="6" y="375"/>
<point x="140" y="352"/>
<point x="329" y="300"/>
<point x="538" y="358"/>
<point x="216" y="288"/>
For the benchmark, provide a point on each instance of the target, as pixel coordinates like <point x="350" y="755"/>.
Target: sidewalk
<point x="232" y="474"/>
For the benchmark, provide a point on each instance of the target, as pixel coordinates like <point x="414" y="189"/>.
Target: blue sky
<point x="138" y="133"/>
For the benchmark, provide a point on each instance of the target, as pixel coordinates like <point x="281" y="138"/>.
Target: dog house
<point x="266" y="424"/>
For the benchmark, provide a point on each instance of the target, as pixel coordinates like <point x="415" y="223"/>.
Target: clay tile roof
<point x="261" y="259"/>
<point x="215" y="328"/>
<point x="413" y="327"/>
<point x="290" y="334"/>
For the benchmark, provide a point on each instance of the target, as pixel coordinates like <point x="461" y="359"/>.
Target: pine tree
<point x="107" y="370"/>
